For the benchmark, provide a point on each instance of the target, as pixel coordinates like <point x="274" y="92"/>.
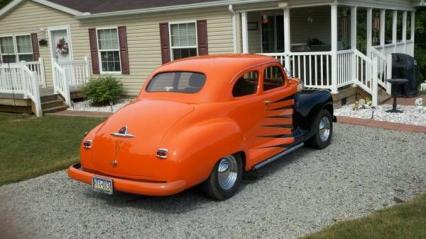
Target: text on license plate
<point x="103" y="185"/>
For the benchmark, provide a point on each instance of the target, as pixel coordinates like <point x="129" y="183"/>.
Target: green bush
<point x="103" y="90"/>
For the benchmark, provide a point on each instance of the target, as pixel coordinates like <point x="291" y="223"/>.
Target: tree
<point x="420" y="51"/>
<point x="4" y="3"/>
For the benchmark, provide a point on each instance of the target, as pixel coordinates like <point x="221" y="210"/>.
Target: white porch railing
<point x="313" y="68"/>
<point x="38" y="67"/>
<point x="60" y="82"/>
<point x="382" y="68"/>
<point x="345" y="71"/>
<point x="68" y="75"/>
<point x="363" y="68"/>
<point x="77" y="72"/>
<point x="17" y="78"/>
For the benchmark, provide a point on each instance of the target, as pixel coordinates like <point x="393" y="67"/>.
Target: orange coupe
<point x="203" y="120"/>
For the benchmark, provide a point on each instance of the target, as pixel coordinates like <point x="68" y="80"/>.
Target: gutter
<point x="234" y="27"/>
<point x="220" y="3"/>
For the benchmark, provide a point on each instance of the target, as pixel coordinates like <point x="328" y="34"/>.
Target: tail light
<point x="87" y="144"/>
<point x="162" y="153"/>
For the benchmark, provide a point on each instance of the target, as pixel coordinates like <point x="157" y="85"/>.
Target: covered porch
<point x="329" y="45"/>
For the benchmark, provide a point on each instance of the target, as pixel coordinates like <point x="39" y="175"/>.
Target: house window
<point x="183" y="40"/>
<point x="24" y="48"/>
<point x="109" y="50"/>
<point x="16" y="48"/>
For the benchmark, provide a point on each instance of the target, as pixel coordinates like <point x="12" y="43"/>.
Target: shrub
<point x="103" y="90"/>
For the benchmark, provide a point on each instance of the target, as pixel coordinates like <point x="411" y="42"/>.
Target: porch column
<point x="382" y="27"/>
<point x="413" y="25"/>
<point x="287" y="39"/>
<point x="244" y="30"/>
<point x="354" y="11"/>
<point x="404" y="27"/>
<point x="394" y="28"/>
<point x="413" y="32"/>
<point x="334" y="49"/>
<point x="353" y="27"/>
<point x="369" y="30"/>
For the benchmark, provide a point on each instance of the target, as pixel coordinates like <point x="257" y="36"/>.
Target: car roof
<point x="229" y="61"/>
<point x="219" y="70"/>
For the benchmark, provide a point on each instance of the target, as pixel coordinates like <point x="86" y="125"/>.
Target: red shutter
<point x="165" y="44"/>
<point x="94" y="50"/>
<point x="203" y="46"/>
<point x="36" y="50"/>
<point x="124" y="52"/>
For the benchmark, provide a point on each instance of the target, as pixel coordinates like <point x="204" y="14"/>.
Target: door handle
<point x="267" y="102"/>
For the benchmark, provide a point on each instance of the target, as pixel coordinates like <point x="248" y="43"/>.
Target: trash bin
<point x="405" y="67"/>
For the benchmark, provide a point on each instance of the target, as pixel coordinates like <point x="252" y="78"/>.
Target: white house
<point x="52" y="47"/>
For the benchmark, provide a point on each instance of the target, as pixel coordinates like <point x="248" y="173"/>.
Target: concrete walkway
<point x="82" y="114"/>
<point x="381" y="124"/>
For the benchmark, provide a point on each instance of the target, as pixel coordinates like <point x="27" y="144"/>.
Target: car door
<point x="274" y="131"/>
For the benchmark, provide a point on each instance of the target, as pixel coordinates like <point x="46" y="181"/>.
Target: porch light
<point x="162" y="153"/>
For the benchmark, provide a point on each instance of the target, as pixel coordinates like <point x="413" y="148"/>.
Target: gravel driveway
<point x="364" y="169"/>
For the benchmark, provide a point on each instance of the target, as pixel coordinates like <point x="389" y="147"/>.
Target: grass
<point x="31" y="146"/>
<point x="407" y="220"/>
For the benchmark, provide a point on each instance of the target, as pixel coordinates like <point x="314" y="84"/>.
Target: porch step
<point x="46" y="91"/>
<point x="51" y="103"/>
<point x="51" y="97"/>
<point x="55" y="109"/>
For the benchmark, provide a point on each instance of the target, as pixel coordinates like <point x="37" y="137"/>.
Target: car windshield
<point x="180" y="82"/>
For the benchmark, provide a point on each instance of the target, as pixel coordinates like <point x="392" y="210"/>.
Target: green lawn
<point x="31" y="146"/>
<point x="407" y="220"/>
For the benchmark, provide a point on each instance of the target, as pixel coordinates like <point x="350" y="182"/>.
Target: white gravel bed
<point x="86" y="106"/>
<point x="413" y="115"/>
<point x="364" y="169"/>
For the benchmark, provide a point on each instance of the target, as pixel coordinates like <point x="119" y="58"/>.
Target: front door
<point x="60" y="44"/>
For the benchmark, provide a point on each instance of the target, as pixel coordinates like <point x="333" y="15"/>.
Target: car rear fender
<point x="197" y="148"/>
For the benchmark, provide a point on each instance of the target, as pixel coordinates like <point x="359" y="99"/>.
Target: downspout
<point x="234" y="27"/>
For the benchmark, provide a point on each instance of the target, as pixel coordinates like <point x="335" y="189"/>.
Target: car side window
<point x="246" y="84"/>
<point x="272" y="78"/>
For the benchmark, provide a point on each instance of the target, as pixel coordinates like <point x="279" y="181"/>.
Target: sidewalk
<point x="82" y="114"/>
<point x="381" y="124"/>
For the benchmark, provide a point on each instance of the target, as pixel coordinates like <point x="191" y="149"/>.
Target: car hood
<point x="134" y="155"/>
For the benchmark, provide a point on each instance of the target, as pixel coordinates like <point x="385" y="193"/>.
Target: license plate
<point x="103" y="185"/>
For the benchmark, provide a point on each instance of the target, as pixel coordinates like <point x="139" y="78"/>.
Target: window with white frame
<point x="16" y="48"/>
<point x="183" y="40"/>
<point x="109" y="50"/>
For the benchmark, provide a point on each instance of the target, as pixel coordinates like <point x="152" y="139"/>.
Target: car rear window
<point x="180" y="82"/>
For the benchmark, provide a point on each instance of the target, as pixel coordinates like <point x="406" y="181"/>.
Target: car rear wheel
<point x="225" y="178"/>
<point x="323" y="127"/>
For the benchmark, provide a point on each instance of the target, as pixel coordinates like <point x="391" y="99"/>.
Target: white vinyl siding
<point x="143" y="35"/>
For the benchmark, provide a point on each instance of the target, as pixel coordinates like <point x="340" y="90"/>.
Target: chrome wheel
<point x="227" y="172"/>
<point x="324" y="128"/>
